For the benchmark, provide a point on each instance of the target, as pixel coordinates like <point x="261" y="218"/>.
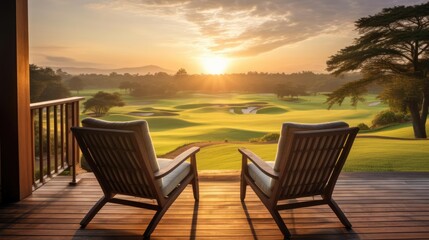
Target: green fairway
<point x="368" y="154"/>
<point x="234" y="117"/>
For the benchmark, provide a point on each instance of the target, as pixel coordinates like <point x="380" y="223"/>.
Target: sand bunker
<point x="154" y="113"/>
<point x="142" y="114"/>
<point x="372" y="104"/>
<point x="248" y="110"/>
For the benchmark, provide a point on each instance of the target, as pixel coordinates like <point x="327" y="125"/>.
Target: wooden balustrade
<point x="54" y="148"/>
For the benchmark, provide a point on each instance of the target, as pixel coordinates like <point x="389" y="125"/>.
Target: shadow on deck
<point x="379" y="205"/>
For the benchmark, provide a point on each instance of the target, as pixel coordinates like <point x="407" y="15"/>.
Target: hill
<point x="131" y="70"/>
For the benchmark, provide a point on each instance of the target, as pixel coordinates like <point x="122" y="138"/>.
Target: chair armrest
<point x="259" y="163"/>
<point x="176" y="162"/>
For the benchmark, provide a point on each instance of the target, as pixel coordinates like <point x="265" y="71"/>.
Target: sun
<point x="214" y="64"/>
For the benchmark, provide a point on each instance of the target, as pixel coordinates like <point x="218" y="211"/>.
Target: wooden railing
<point x="54" y="148"/>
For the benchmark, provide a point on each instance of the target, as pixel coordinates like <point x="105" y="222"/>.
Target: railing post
<point x="33" y="150"/>
<point x="62" y="134"/>
<point x="48" y="142"/>
<point x="41" y="179"/>
<point x="67" y="138"/>
<point x="74" y="153"/>
<point x="68" y="109"/>
<point x="56" y="138"/>
<point x="77" y="124"/>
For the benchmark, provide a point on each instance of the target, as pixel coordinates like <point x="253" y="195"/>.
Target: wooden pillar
<point x="15" y="128"/>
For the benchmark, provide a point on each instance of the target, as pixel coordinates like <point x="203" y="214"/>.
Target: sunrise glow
<point x="263" y="36"/>
<point x="214" y="64"/>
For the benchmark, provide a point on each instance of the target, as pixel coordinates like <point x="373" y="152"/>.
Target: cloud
<point x="251" y="27"/>
<point x="42" y="48"/>
<point x="47" y="55"/>
<point x="59" y="61"/>
<point x="65" y="60"/>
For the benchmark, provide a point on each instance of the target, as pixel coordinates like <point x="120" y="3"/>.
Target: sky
<point x="211" y="37"/>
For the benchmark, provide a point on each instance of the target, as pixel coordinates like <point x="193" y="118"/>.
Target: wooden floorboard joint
<point x="379" y="205"/>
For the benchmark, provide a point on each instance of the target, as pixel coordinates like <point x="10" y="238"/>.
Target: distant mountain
<point x="131" y="70"/>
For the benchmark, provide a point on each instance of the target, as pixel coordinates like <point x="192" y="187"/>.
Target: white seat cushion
<point x="261" y="180"/>
<point x="172" y="180"/>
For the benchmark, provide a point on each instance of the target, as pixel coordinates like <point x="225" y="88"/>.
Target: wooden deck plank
<point x="379" y="205"/>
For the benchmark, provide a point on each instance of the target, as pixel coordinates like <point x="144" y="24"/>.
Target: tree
<point x="393" y="52"/>
<point x="54" y="90"/>
<point x="181" y="73"/>
<point x="125" y="85"/>
<point x="291" y="90"/>
<point x="162" y="74"/>
<point x="113" y="74"/>
<point x="102" y="102"/>
<point x="280" y="90"/>
<point x="45" y="84"/>
<point x="297" y="90"/>
<point x="75" y="83"/>
<point x="139" y="91"/>
<point x="134" y="86"/>
<point x="62" y="74"/>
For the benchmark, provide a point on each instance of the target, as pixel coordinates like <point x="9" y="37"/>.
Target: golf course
<point x="223" y="122"/>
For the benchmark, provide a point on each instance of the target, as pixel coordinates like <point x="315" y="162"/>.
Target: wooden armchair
<point x="123" y="160"/>
<point x="308" y="162"/>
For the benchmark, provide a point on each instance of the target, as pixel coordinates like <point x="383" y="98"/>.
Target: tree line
<point x="47" y="84"/>
<point x="163" y="84"/>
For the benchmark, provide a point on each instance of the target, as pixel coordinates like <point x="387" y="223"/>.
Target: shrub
<point x="254" y="140"/>
<point x="363" y="126"/>
<point x="269" y="137"/>
<point x="387" y="117"/>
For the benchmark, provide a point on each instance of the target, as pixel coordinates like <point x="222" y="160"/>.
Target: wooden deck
<point x="380" y="206"/>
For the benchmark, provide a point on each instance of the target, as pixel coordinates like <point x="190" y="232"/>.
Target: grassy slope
<point x="205" y="117"/>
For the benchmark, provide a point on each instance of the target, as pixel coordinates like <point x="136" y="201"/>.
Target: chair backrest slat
<point x="324" y="158"/>
<point x="333" y="158"/>
<point x="314" y="154"/>
<point x="140" y="127"/>
<point x="289" y="127"/>
<point x="311" y="161"/>
<point x="116" y="159"/>
<point x="320" y="158"/>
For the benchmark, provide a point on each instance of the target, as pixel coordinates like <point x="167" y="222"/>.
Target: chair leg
<point x="196" y="188"/>
<point x="280" y="223"/>
<point x="195" y="184"/>
<point x="93" y="211"/>
<point x="334" y="206"/>
<point x="154" y="222"/>
<point x="243" y="185"/>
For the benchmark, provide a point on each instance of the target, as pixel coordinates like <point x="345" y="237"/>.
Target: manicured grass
<point x="164" y="124"/>
<point x="187" y="118"/>
<point x="192" y="106"/>
<point x="271" y="110"/>
<point x="227" y="134"/>
<point x="400" y="130"/>
<point x="226" y="156"/>
<point x="368" y="154"/>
